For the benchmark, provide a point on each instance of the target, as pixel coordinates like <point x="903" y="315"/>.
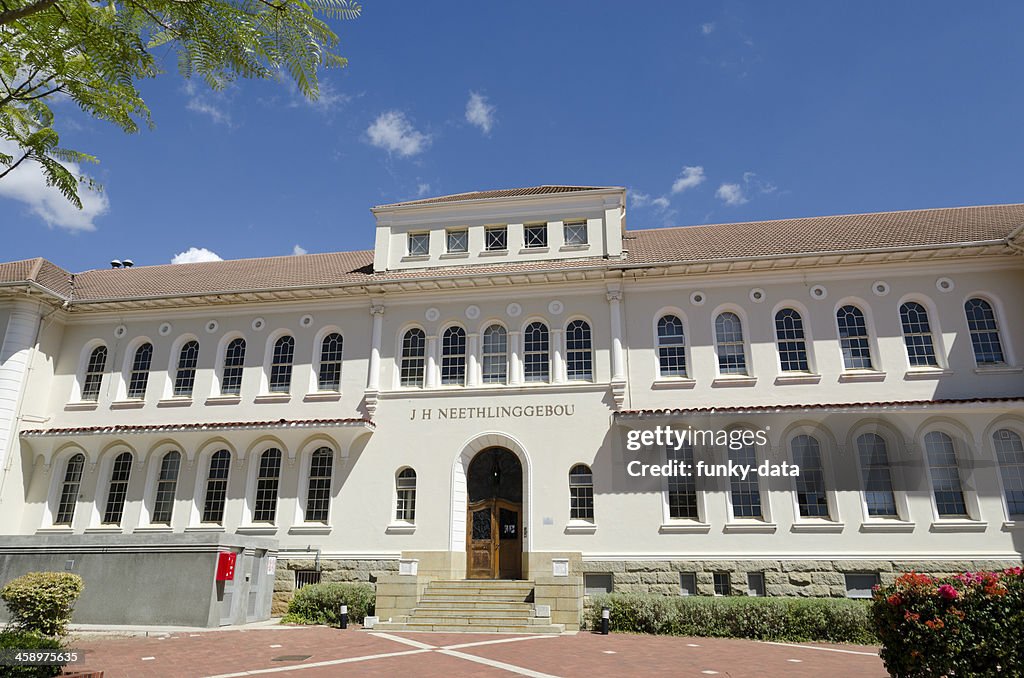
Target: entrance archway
<point x="494" y="515"/>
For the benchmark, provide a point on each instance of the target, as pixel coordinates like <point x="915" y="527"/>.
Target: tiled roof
<point x="498" y="193"/>
<point x="768" y="409"/>
<point x="39" y="271"/>
<point x="120" y="429"/>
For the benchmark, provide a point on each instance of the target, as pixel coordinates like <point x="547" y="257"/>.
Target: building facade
<point x="460" y="401"/>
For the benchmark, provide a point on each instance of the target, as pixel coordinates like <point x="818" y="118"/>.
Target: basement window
<point x="306" y="577"/>
<point x="595" y="584"/>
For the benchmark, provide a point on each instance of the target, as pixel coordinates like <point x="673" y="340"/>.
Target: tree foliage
<point x="94" y="52"/>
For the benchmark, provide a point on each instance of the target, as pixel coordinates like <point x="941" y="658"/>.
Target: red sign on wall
<point x="226" y="565"/>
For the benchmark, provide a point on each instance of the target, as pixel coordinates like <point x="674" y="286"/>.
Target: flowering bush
<point x="965" y="625"/>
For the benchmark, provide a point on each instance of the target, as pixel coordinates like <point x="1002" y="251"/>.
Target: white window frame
<point x="222" y="352"/>
<point x="305" y="460"/>
<point x="417" y="237"/>
<point x="1016" y="427"/>
<point x="874" y="355"/>
<point x="827" y="449"/>
<point x="1009" y="356"/>
<point x="85" y="358"/>
<point x="575" y="225"/>
<point x="894" y="449"/>
<point x="58" y="471"/>
<point x="487" y="231"/>
<point x="959" y="438"/>
<point x="739" y="523"/>
<point x="317" y="354"/>
<point x="456" y="232"/>
<point x="533" y="226"/>
<point x="700" y="523"/>
<point x="153" y="466"/>
<point x="202" y="463"/>
<point x="745" y="328"/>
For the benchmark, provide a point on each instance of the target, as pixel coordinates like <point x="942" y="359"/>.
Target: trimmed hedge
<point x="970" y="624"/>
<point x="42" y="601"/>
<point x="836" y="620"/>
<point x="321" y="603"/>
<point x="29" y="640"/>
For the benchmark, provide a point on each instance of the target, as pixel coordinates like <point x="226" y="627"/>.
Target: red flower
<point x="911" y="616"/>
<point x="934" y="624"/>
<point x="894" y="600"/>
<point x="948" y="592"/>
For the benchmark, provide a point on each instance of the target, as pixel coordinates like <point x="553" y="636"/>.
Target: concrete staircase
<point x="474" y="605"/>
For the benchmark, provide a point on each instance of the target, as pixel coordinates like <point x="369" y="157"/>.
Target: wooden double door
<point x="494" y="539"/>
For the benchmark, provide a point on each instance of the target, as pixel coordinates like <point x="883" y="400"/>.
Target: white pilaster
<point x="18" y="339"/>
<point x="558" y="357"/>
<point x="515" y="362"/>
<point x="373" y="378"/>
<point x="472" y="364"/>
<point x="432" y="361"/>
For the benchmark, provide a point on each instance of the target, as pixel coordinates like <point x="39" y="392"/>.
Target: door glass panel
<point x="509" y="521"/>
<point x="482" y="524"/>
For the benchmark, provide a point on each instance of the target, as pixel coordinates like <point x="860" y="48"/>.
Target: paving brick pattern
<point x="332" y="652"/>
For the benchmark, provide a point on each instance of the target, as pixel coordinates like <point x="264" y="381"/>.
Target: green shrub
<point x="836" y="620"/>
<point x="42" y="601"/>
<point x="321" y="603"/>
<point x="964" y="625"/>
<point x="29" y="640"/>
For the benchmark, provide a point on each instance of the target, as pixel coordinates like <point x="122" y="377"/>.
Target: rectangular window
<point x="419" y="244"/>
<point x="723" y="586"/>
<point x="496" y="238"/>
<point x="858" y="585"/>
<point x="597" y="583"/>
<point x="755" y="584"/>
<point x="575" y="232"/>
<point x="458" y="241"/>
<point x="687" y="584"/>
<point x="535" y="235"/>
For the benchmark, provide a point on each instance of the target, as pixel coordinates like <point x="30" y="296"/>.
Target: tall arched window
<point x="94" y="370"/>
<point x="453" y="356"/>
<point x="682" y="489"/>
<point x="581" y="493"/>
<point x="281" y="365"/>
<point x="671" y="347"/>
<point x="318" y="496"/>
<point x="414" y="351"/>
<point x="746" y="494"/>
<point x="234" y="363"/>
<point x="732" y="355"/>
<point x="217" y="487"/>
<point x="981" y="320"/>
<point x="405" y="489"/>
<point x="579" y="352"/>
<point x="789" y="335"/>
<point x="117" y="490"/>
<point x="853" y="338"/>
<point x="1010" y="453"/>
<point x="536" y="353"/>
<point x="166" y="484"/>
<point x="876" y="475"/>
<point x="917" y="335"/>
<point x="69" y="490"/>
<point x="945" y="472"/>
<point x="329" y="376"/>
<point x="138" y="380"/>
<point x="185" y="376"/>
<point x="267" y="480"/>
<point x="810" y="484"/>
<point x="495" y="355"/>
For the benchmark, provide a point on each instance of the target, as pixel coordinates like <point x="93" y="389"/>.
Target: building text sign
<point x="491" y="412"/>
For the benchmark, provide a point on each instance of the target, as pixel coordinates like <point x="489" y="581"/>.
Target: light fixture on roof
<point x="116" y="263"/>
<point x="128" y="263"/>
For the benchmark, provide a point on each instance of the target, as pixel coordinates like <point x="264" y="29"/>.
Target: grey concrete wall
<point x="141" y="579"/>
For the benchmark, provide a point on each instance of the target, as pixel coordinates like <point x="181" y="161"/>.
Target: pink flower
<point x="948" y="592"/>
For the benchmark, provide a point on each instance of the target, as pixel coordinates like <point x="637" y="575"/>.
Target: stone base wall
<point x="806" y="578"/>
<point x="330" y="571"/>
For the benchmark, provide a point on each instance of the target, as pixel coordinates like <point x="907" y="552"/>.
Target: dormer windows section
<point x="575" y="233"/>
<point x="535" y="236"/>
<point x="496" y="238"/>
<point x="457" y="240"/>
<point x="419" y="244"/>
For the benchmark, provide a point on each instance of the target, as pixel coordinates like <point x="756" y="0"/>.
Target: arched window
<point x="1010" y="453"/>
<point x="536" y="358"/>
<point x="166" y="484"/>
<point x="945" y="472"/>
<point x="579" y="353"/>
<point x="318" y="496"/>
<point x="853" y="338"/>
<point x="981" y="320"/>
<point x="789" y="334"/>
<point x="917" y="335"/>
<point x="138" y="380"/>
<point x="405" y="487"/>
<point x="671" y="347"/>
<point x="682" y="489"/>
<point x="746" y="494"/>
<point x="185" y="377"/>
<point x="117" y="490"/>
<point x="281" y="365"/>
<point x="94" y="370"/>
<point x="234" y="362"/>
<point x="453" y="356"/>
<point x="217" y="487"/>
<point x="329" y="376"/>
<point x="732" y="356"/>
<point x="495" y="355"/>
<point x="414" y="351"/>
<point x="69" y="490"/>
<point x="876" y="474"/>
<point x="581" y="493"/>
<point x="810" y="484"/>
<point x="267" y="480"/>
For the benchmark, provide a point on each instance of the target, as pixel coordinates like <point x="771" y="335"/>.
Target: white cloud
<point x="638" y="199"/>
<point x="212" y="104"/>
<point x="731" y="194"/>
<point x="298" y="250"/>
<point x="27" y="184"/>
<point x="750" y="179"/>
<point x="195" y="255"/>
<point x="708" y="28"/>
<point x="479" y="112"/>
<point x="393" y="132"/>
<point x="690" y="177"/>
<point x="422" y="190"/>
<point x="661" y="203"/>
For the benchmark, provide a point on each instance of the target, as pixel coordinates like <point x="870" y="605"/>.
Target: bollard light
<point x="606" y="614"/>
<point x="344" y="616"/>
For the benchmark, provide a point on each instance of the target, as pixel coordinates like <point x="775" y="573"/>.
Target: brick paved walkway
<point x="312" y="652"/>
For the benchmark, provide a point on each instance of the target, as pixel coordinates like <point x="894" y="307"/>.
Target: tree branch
<point x="22" y="12"/>
<point x="15" y="165"/>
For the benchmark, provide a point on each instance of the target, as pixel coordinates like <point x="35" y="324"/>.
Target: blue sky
<point x="707" y="112"/>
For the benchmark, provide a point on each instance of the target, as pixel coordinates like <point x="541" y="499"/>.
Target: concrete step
<point x="492" y="590"/>
<point x="477" y="621"/>
<point x="474" y="607"/>
<point x="481" y="598"/>
<point x="467" y="628"/>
